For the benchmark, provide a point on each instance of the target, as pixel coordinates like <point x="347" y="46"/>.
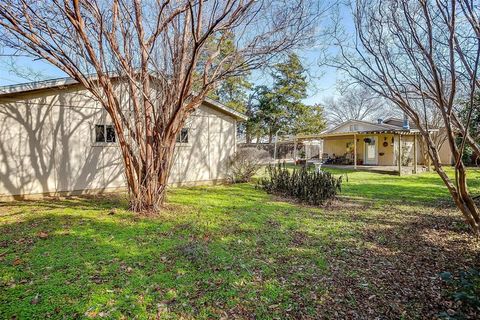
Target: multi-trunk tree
<point x="419" y="55"/>
<point x="160" y="51"/>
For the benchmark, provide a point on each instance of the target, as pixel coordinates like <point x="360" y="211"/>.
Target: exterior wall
<point x="336" y="145"/>
<point x="47" y="145"/>
<point x="211" y="143"/>
<point x="407" y="149"/>
<point x="386" y="155"/>
<point x="445" y="153"/>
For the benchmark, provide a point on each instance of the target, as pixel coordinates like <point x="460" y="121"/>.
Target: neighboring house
<point x="55" y="138"/>
<point x="378" y="144"/>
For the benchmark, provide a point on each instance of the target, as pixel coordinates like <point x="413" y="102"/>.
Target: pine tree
<point x="233" y="91"/>
<point x="285" y="109"/>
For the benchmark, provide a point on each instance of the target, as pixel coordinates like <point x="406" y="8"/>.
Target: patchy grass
<point x="234" y="251"/>
<point x="425" y="188"/>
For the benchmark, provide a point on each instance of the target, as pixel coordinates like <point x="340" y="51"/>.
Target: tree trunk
<point x="459" y="192"/>
<point x="149" y="194"/>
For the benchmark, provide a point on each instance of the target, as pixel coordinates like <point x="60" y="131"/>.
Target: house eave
<point x="7" y="91"/>
<point x="223" y="108"/>
<point x="351" y="133"/>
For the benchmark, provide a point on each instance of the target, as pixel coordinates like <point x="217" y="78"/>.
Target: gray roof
<point x="380" y="126"/>
<point x="59" y="82"/>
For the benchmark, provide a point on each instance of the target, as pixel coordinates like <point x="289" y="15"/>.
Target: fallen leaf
<point x="35" y="299"/>
<point x="42" y="235"/>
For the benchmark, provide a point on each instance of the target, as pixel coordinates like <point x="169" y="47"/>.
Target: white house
<point x="55" y="138"/>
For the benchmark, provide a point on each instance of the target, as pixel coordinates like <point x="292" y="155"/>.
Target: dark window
<point x="182" y="137"/>
<point x="110" y="134"/>
<point x="104" y="133"/>
<point x="99" y="133"/>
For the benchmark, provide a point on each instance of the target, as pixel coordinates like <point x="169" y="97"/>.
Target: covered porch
<point x="393" y="170"/>
<point x="387" y="151"/>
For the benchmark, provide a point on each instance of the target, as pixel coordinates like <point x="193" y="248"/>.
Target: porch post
<point x="354" y="151"/>
<point x="399" y="155"/>
<point x="415" y="153"/>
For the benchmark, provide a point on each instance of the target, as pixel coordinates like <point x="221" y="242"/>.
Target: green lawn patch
<point x="234" y="251"/>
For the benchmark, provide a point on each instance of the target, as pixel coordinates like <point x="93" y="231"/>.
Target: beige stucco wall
<point x="47" y="145"/>
<point x="445" y="153"/>
<point x="386" y="155"/>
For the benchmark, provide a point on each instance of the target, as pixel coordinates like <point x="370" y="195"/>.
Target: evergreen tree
<point x="233" y="91"/>
<point x="282" y="107"/>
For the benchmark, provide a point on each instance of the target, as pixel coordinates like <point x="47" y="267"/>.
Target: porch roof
<point x="351" y="133"/>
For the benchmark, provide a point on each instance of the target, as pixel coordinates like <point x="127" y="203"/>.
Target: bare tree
<point x="166" y="53"/>
<point x="354" y="103"/>
<point x="416" y="54"/>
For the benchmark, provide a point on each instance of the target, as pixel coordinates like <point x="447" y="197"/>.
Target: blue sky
<point x="322" y="79"/>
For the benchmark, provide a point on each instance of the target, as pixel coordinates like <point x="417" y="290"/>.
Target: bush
<point x="466" y="289"/>
<point x="308" y="186"/>
<point x="245" y="163"/>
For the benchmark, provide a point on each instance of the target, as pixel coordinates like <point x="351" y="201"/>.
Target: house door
<point x="370" y="154"/>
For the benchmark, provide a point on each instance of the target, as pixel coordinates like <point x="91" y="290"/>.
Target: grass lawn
<point x="236" y="252"/>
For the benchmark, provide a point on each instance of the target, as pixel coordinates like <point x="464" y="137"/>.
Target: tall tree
<point x="310" y="120"/>
<point x="281" y="108"/>
<point x="355" y="103"/>
<point x="420" y="53"/>
<point x="289" y="89"/>
<point x="232" y="91"/>
<point x="156" y="50"/>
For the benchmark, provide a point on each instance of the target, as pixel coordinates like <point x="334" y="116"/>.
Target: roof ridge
<point x="56" y="82"/>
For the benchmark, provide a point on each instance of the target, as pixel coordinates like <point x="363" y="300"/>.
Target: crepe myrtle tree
<point x="159" y="50"/>
<point x="419" y="55"/>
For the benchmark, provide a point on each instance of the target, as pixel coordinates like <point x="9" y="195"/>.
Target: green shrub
<point x="308" y="186"/>
<point x="466" y="289"/>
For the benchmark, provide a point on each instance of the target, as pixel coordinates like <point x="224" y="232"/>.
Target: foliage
<point x="469" y="157"/>
<point x="466" y="288"/>
<point x="281" y="107"/>
<point x="312" y="187"/>
<point x="231" y="91"/>
<point x="245" y="163"/>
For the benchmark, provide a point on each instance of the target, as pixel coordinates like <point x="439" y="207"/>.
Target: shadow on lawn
<point x="225" y="251"/>
<point x="63" y="262"/>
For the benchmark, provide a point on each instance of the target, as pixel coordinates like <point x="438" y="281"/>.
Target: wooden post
<point x="415" y="154"/>
<point x="399" y="155"/>
<point x="354" y="151"/>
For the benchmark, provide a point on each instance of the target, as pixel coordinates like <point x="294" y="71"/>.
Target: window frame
<point x="178" y="138"/>
<point x="106" y="141"/>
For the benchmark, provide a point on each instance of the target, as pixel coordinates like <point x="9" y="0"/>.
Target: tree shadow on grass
<point x="77" y="261"/>
<point x="226" y="251"/>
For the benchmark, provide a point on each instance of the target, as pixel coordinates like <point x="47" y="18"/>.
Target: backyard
<point x="236" y="252"/>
